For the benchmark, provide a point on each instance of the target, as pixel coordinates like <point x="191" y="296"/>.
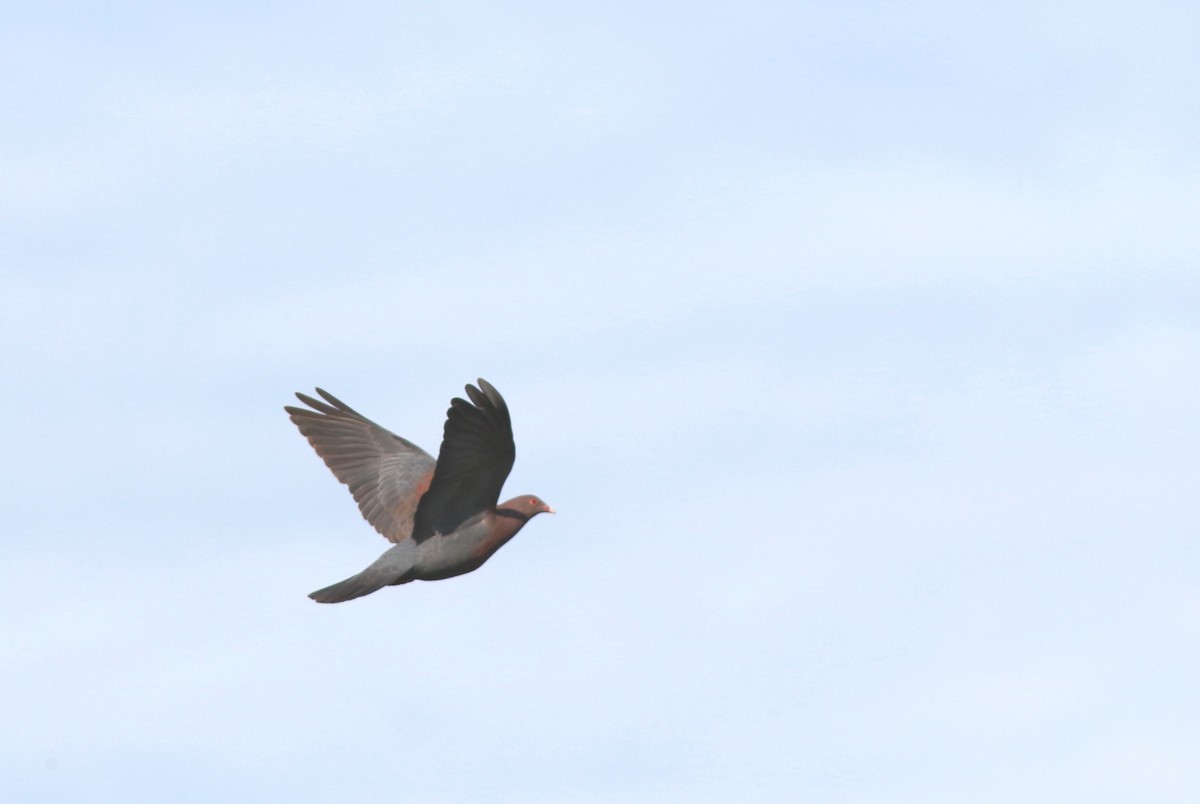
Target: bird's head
<point x="527" y="505"/>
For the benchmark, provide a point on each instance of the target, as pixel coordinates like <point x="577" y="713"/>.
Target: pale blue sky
<point x="857" y="345"/>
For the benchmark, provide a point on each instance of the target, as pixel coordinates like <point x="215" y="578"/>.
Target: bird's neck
<point x="505" y="525"/>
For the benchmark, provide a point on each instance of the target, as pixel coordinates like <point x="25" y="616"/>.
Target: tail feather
<point x="355" y="586"/>
<point x="393" y="567"/>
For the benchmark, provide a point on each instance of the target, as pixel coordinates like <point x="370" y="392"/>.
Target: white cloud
<point x="1147" y="766"/>
<point x="813" y="229"/>
<point x="775" y="629"/>
<point x="291" y="116"/>
<point x="47" y="187"/>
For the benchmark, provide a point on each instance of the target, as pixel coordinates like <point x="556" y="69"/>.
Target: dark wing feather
<point x="476" y="456"/>
<point x="386" y="474"/>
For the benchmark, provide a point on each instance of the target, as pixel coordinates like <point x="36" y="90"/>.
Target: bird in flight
<point x="441" y="516"/>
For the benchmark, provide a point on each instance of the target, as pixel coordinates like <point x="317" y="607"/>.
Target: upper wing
<point x="386" y="474"/>
<point x="476" y="456"/>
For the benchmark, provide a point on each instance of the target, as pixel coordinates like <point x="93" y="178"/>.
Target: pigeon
<point x="441" y="516"/>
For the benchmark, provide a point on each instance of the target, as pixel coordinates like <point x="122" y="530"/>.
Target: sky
<point x="857" y="346"/>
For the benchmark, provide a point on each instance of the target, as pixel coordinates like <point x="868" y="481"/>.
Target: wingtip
<point x="490" y="393"/>
<point x="477" y="397"/>
<point x="332" y="406"/>
<point x="331" y="399"/>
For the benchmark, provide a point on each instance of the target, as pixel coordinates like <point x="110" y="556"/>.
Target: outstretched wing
<point x="386" y="474"/>
<point x="476" y="456"/>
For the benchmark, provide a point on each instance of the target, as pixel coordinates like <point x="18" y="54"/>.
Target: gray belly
<point x="456" y="554"/>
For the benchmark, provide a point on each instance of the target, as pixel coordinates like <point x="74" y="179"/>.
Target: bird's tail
<point x="393" y="567"/>
<point x="355" y="586"/>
